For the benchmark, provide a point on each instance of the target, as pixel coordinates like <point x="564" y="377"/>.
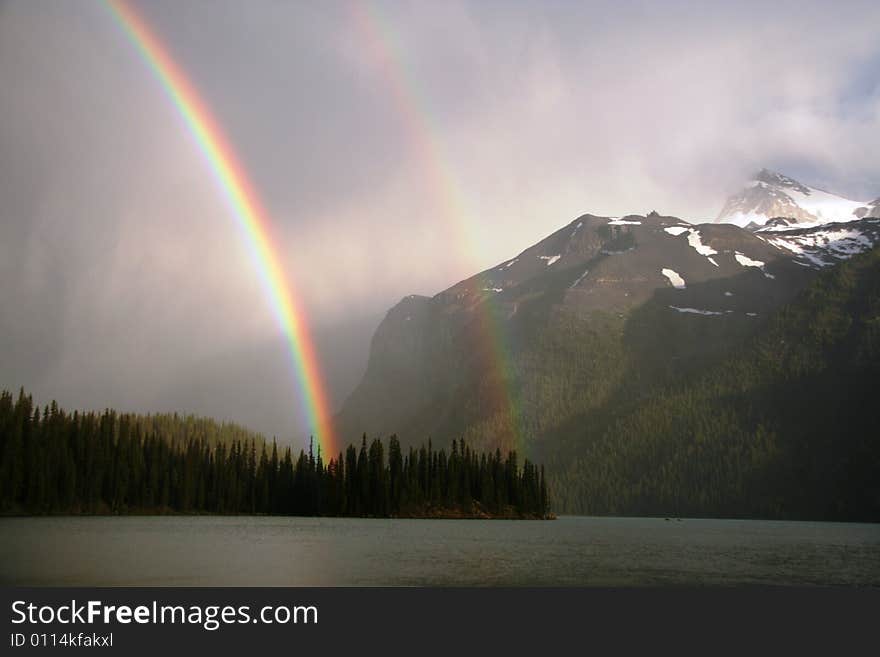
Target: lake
<point x="570" y="551"/>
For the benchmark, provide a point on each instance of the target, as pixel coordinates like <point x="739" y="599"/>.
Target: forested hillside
<point x="54" y="462"/>
<point x="785" y="426"/>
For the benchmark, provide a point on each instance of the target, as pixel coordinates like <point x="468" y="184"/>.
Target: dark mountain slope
<point x="598" y="351"/>
<point x="785" y="426"/>
<point x="508" y="354"/>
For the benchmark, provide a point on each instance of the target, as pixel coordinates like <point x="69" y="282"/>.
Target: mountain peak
<point x="777" y="179"/>
<point x="771" y="194"/>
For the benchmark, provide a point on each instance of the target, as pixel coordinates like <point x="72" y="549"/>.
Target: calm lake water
<point x="261" y="551"/>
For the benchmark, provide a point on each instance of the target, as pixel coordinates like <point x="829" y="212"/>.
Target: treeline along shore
<point x="54" y="462"/>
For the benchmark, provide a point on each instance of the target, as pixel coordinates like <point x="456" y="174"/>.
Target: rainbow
<point x="248" y="211"/>
<point x="414" y="113"/>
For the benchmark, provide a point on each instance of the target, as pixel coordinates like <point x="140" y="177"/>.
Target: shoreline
<point x="444" y="514"/>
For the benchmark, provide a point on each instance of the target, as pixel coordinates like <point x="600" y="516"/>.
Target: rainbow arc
<point x="413" y="109"/>
<point x="247" y="209"/>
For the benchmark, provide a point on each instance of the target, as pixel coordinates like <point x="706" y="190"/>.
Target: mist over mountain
<point x="551" y="350"/>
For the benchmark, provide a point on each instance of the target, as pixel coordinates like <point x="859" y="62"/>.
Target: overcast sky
<point x="396" y="154"/>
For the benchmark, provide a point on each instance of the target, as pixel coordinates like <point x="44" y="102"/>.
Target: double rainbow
<point x="251" y="216"/>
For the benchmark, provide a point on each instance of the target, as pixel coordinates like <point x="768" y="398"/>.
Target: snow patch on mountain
<point x="694" y="241"/>
<point x="824" y="206"/>
<point x="698" y="246"/>
<point x="823" y="246"/>
<point x="696" y="311"/>
<point x="579" y="279"/>
<point x="746" y="261"/>
<point x="674" y="278"/>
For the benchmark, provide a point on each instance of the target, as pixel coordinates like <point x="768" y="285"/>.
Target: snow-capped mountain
<point x="561" y="350"/>
<point x="725" y="277"/>
<point x="650" y="275"/>
<point x="770" y="194"/>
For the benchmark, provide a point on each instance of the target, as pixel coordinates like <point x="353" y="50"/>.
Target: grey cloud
<point x="125" y="281"/>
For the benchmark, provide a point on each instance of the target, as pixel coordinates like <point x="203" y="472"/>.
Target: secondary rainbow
<point x="413" y="110"/>
<point x="247" y="209"/>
